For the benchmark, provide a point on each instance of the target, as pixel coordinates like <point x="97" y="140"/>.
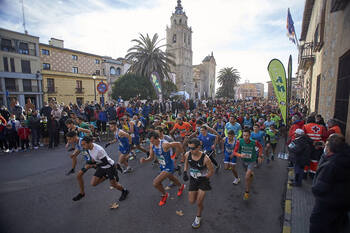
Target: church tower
<point x="179" y="43"/>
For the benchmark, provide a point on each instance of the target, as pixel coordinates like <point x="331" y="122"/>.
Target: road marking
<point x="286" y="229"/>
<point x="288" y="207"/>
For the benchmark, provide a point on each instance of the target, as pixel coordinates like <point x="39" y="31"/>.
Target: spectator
<point x="299" y="150"/>
<point x="23" y="133"/>
<point x="3" y="143"/>
<point x="44" y="133"/>
<point x="11" y="137"/>
<point x="46" y="110"/>
<point x="62" y="124"/>
<point x="29" y="105"/>
<point x="5" y="113"/>
<point x="53" y="130"/>
<point x="333" y="127"/>
<point x="34" y="126"/>
<point x="331" y="188"/>
<point x="102" y="118"/>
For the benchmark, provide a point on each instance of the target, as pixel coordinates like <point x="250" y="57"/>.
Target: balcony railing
<point x="306" y="55"/>
<point x="79" y="90"/>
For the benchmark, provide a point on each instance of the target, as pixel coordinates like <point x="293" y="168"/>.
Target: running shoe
<point x="181" y="189"/>
<point x="78" y="197"/>
<point x="246" y="196"/>
<point x="236" y="181"/>
<point x="128" y="170"/>
<point x="196" y="223"/>
<point x="71" y="171"/>
<point x="163" y="200"/>
<point x="125" y="193"/>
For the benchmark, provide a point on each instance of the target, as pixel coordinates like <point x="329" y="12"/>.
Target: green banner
<point x="279" y="82"/>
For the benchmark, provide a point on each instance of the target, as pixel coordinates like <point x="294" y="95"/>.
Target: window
<point x="27" y="85"/>
<point x="75" y="57"/>
<point x="180" y="21"/>
<point x="317" y="92"/>
<point x="103" y="71"/>
<point x="118" y="72"/>
<point x="97" y="61"/>
<point x="185" y="38"/>
<point x="189" y="40"/>
<point x="46" y="66"/>
<point x="6" y="45"/>
<point x="97" y="72"/>
<point x="45" y="52"/>
<point x="75" y="70"/>
<point x="23" y="48"/>
<point x="174" y="38"/>
<point x="50" y="85"/>
<point x="6" y="64"/>
<point x="25" y="66"/>
<point x="79" y="87"/>
<point x="112" y="71"/>
<point x="10" y="84"/>
<point x="174" y="21"/>
<point x="12" y="63"/>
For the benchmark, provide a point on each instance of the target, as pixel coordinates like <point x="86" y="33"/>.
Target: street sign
<point x="102" y="87"/>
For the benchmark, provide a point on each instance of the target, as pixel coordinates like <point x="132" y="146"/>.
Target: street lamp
<point x="94" y="77"/>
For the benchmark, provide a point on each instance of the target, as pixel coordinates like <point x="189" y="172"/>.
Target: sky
<point x="243" y="34"/>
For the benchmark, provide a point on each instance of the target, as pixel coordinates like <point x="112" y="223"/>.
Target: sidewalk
<point x="298" y="206"/>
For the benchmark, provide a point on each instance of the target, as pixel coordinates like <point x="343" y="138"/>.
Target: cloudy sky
<point x="244" y="34"/>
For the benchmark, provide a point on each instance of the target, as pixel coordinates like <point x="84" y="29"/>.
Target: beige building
<point x="199" y="80"/>
<point x="250" y="90"/>
<point x="70" y="75"/>
<point x="324" y="59"/>
<point x="20" y="77"/>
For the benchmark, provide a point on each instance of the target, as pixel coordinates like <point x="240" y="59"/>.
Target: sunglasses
<point x="191" y="148"/>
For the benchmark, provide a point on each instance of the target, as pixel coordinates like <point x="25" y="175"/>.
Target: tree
<point x="228" y="78"/>
<point x="131" y="85"/>
<point x="147" y="57"/>
<point x="168" y="88"/>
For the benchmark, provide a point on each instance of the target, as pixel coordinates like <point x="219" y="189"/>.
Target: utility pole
<point x="24" y="20"/>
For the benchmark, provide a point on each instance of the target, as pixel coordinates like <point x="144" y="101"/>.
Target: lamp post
<point x="184" y="90"/>
<point x="94" y="77"/>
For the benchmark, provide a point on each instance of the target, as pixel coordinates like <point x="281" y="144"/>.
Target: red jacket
<point x="295" y="126"/>
<point x="23" y="133"/>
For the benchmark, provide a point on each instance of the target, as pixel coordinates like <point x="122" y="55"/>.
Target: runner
<point x="271" y="142"/>
<point x="245" y="148"/>
<point x="259" y="135"/>
<point x="201" y="169"/>
<point x="73" y="139"/>
<point x="105" y="166"/>
<point x="124" y="140"/>
<point x="135" y="125"/>
<point x="209" y="142"/>
<point x="80" y="132"/>
<point x="162" y="150"/>
<point x="235" y="126"/>
<point x="230" y="163"/>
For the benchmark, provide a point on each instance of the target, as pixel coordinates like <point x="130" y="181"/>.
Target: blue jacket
<point x="102" y="116"/>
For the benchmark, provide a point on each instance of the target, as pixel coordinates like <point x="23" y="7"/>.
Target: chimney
<point x="56" y="42"/>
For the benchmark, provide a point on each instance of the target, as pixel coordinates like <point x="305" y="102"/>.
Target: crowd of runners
<point x="188" y="145"/>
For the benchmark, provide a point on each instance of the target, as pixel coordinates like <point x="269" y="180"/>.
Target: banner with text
<point x="279" y="82"/>
<point x="155" y="80"/>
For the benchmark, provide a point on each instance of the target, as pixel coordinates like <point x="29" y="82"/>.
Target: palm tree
<point x="147" y="57"/>
<point x="228" y="78"/>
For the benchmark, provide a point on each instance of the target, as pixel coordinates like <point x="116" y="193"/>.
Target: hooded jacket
<point x="331" y="185"/>
<point x="300" y="150"/>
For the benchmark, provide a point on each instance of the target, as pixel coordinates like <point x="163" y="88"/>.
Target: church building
<point x="199" y="80"/>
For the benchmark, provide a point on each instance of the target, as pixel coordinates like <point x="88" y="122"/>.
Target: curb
<point x="288" y="205"/>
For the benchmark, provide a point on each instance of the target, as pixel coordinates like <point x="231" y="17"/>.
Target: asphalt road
<point x="36" y="197"/>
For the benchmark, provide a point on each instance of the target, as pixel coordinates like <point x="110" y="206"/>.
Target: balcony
<point x="306" y="55"/>
<point x="79" y="90"/>
<point x="51" y="90"/>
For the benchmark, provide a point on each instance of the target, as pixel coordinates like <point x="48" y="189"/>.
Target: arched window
<point x="119" y="71"/>
<point x="174" y="38"/>
<point x="112" y="70"/>
<point x="180" y="21"/>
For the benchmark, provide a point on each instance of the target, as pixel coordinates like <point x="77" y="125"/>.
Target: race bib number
<point x="161" y="161"/>
<point x="246" y="156"/>
<point x="195" y="173"/>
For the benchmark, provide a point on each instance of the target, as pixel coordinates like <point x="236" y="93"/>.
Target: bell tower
<point x="179" y="43"/>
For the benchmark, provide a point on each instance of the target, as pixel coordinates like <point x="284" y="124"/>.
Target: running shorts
<point x="201" y="183"/>
<point x="110" y="173"/>
<point x="229" y="160"/>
